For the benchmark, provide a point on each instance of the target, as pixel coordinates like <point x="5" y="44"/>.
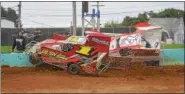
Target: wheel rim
<point x="73" y="69"/>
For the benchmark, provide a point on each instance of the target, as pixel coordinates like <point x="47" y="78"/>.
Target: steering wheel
<point x="67" y="47"/>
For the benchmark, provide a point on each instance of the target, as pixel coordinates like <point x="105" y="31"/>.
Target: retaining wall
<point x="172" y="56"/>
<point x="169" y="56"/>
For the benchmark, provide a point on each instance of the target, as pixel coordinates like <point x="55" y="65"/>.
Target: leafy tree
<point x="142" y="17"/>
<point x="113" y="24"/>
<point x="9" y="14"/>
<point x="3" y="12"/>
<point x="167" y="13"/>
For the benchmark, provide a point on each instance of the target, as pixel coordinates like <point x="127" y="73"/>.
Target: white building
<point x="7" y="24"/>
<point x="172" y="28"/>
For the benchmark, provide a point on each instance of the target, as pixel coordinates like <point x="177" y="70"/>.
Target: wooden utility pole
<point x="83" y="29"/>
<point x="74" y="18"/>
<point x="98" y="18"/>
<point x="19" y="16"/>
<point x="0" y="27"/>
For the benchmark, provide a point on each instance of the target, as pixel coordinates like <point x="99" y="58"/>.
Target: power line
<point x="39" y="22"/>
<point x="45" y="10"/>
<point x="47" y="15"/>
<point x="80" y="14"/>
<point x="141" y="6"/>
<point x="103" y="8"/>
<point x="127" y="12"/>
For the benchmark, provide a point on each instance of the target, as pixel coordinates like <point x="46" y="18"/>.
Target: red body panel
<point x="100" y="43"/>
<point x="59" y="37"/>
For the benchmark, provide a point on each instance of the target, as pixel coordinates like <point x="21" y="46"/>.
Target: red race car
<point x="74" y="54"/>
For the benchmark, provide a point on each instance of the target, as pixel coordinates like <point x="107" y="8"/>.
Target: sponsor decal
<point x="60" y="56"/>
<point x="134" y="39"/>
<point x="53" y="54"/>
<point x="100" y="41"/>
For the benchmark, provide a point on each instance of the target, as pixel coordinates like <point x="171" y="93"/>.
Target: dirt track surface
<point x="53" y="80"/>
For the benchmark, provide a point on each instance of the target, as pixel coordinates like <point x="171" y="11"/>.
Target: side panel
<point x="130" y="40"/>
<point x="113" y="43"/>
<point x="52" y="56"/>
<point x="153" y="37"/>
<point x="102" y="43"/>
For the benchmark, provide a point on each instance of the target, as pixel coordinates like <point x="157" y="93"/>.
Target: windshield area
<point x="76" y="40"/>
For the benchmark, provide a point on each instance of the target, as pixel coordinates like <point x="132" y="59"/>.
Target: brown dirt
<point x="130" y="80"/>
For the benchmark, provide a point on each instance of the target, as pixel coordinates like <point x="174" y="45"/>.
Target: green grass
<point x="5" y="49"/>
<point x="173" y="46"/>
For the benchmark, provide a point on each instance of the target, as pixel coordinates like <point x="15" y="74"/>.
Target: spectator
<point x="19" y="42"/>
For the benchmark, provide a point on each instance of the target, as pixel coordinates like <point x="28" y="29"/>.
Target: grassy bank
<point x="172" y="46"/>
<point x="5" y="49"/>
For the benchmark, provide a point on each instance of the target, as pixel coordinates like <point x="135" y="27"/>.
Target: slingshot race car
<point x="74" y="54"/>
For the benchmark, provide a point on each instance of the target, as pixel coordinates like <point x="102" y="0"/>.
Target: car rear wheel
<point x="74" y="69"/>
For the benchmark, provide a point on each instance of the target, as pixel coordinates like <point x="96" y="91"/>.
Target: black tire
<point x="74" y="69"/>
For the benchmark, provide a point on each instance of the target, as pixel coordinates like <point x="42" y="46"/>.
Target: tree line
<point x="144" y="17"/>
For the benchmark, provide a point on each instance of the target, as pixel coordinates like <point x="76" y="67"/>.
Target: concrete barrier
<point x="172" y="56"/>
<point x="169" y="56"/>
<point x="16" y="59"/>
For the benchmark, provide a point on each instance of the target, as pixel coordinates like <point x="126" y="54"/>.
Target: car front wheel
<point x="74" y="69"/>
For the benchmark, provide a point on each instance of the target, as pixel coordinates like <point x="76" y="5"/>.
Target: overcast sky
<point x="59" y="14"/>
